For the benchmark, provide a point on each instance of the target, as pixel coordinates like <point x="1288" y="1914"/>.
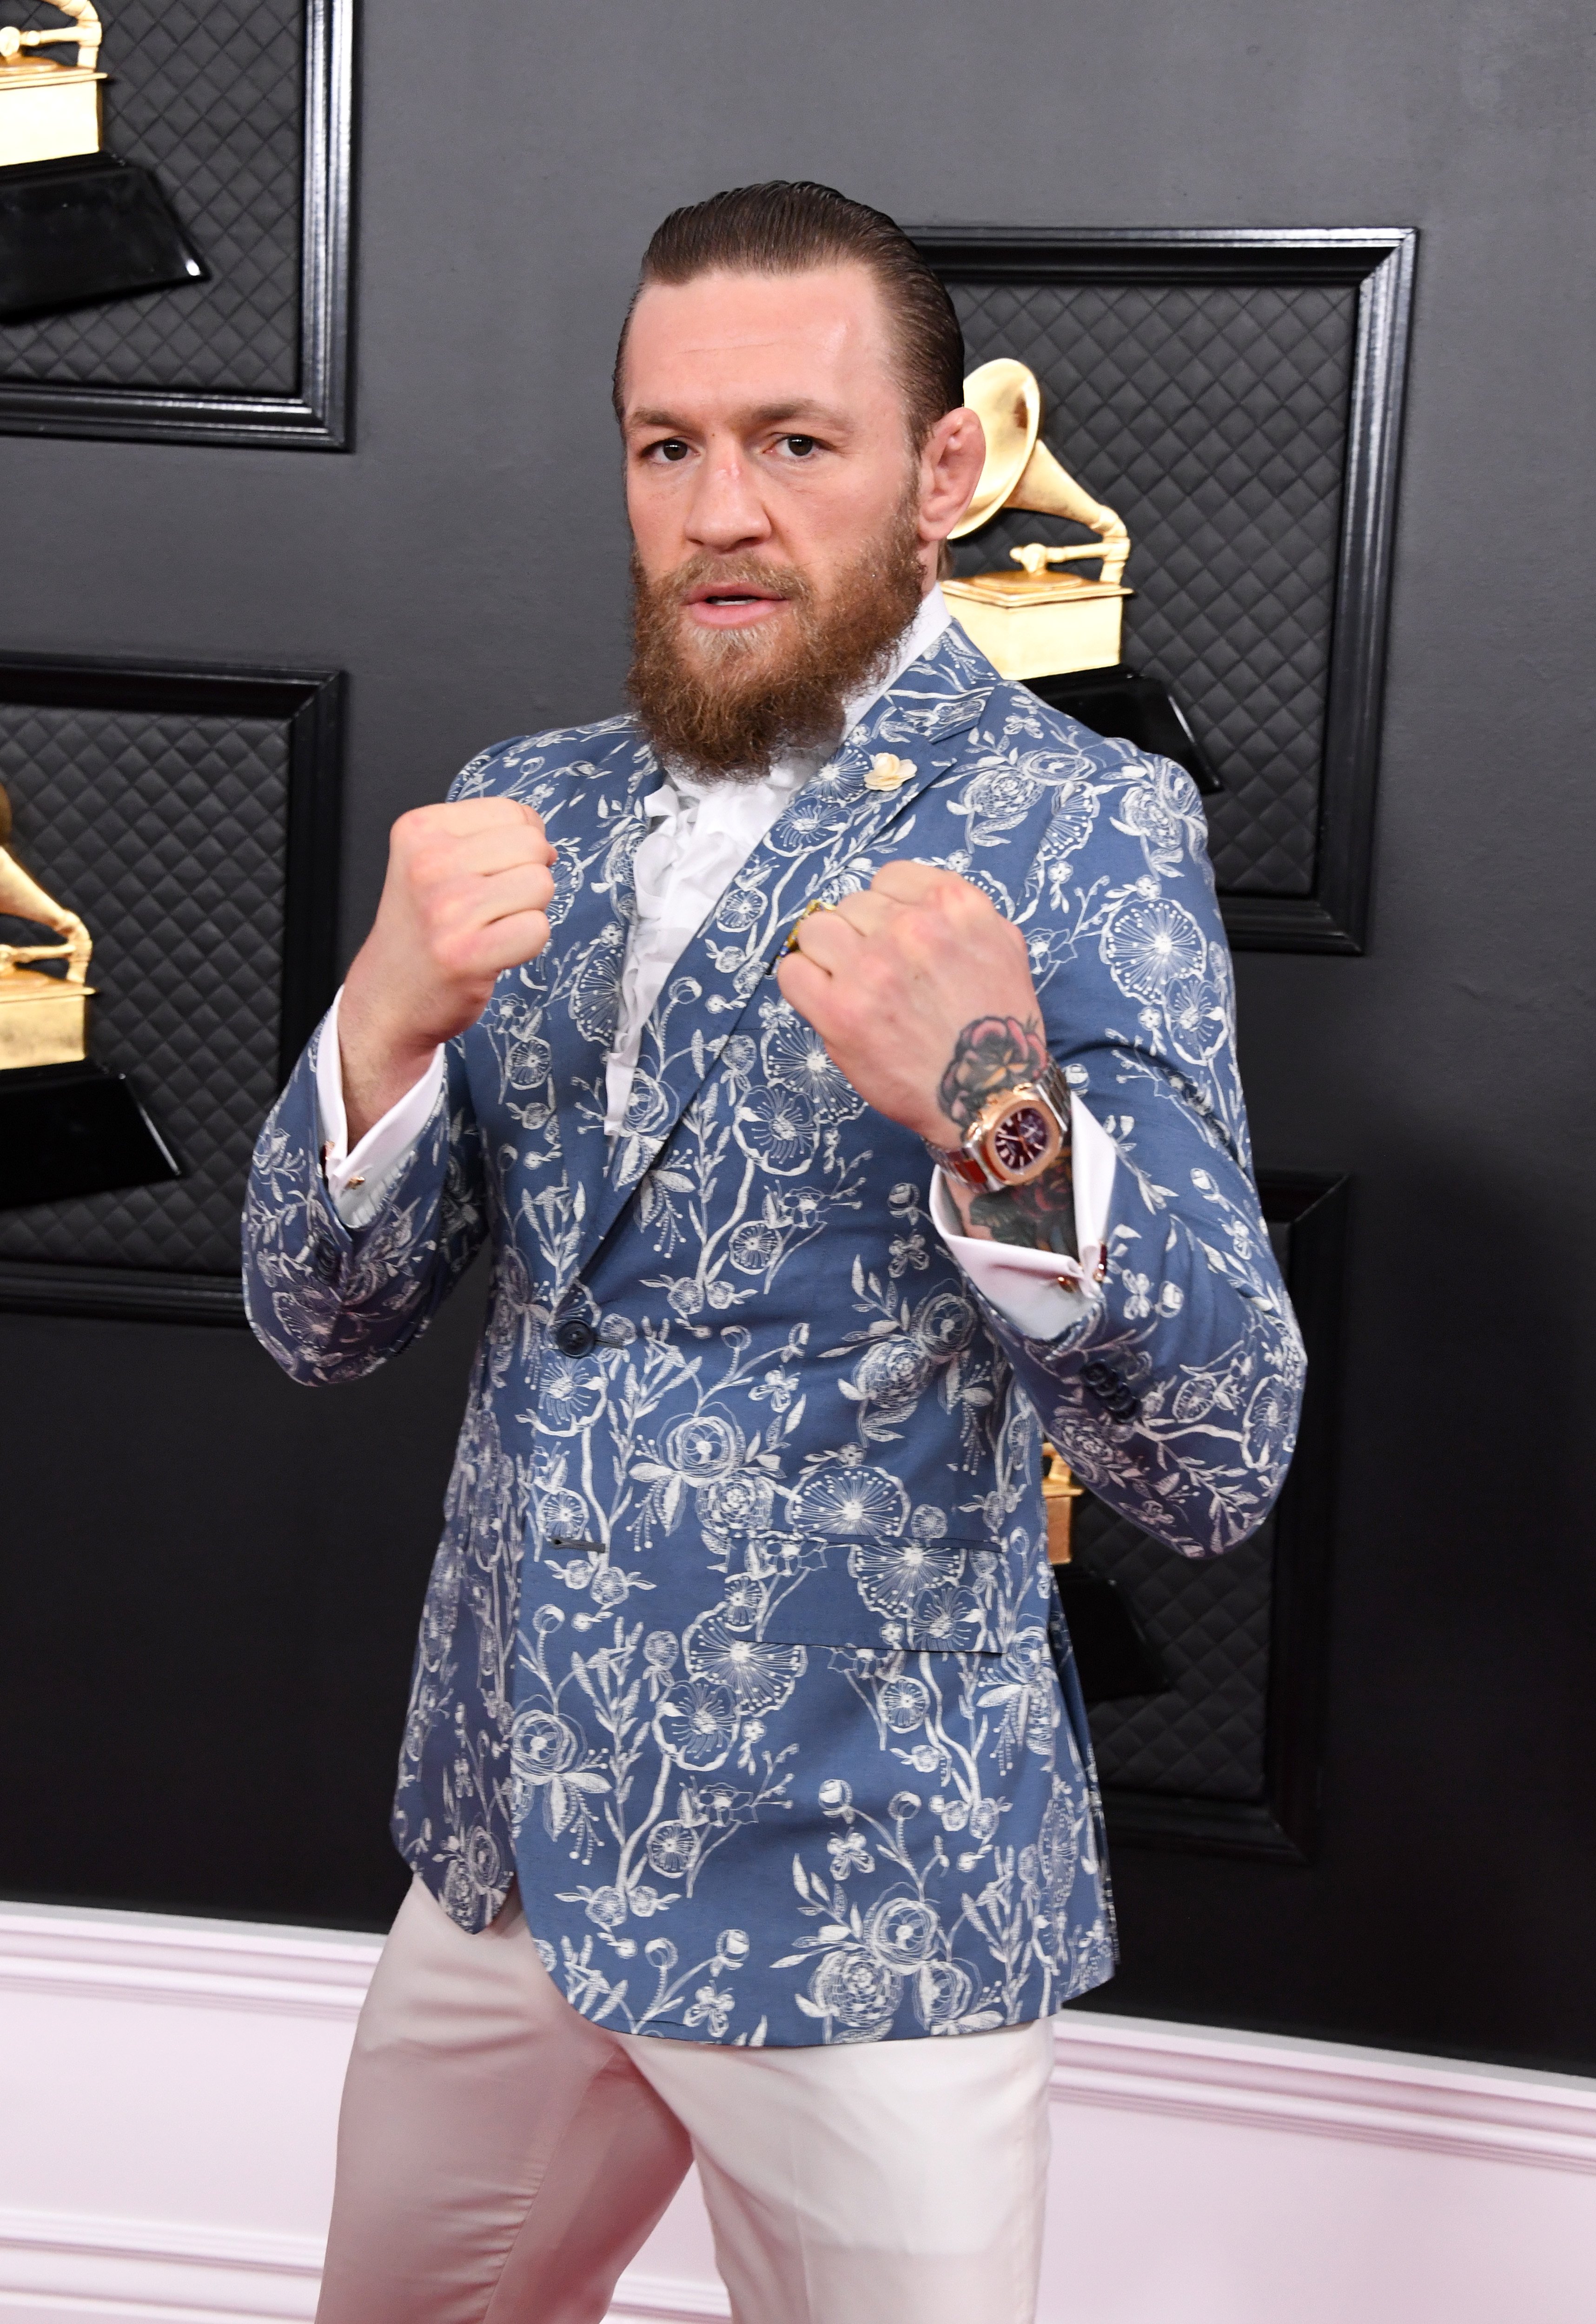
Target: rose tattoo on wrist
<point x="992" y="1053"/>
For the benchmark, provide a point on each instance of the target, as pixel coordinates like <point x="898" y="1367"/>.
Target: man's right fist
<point x="467" y="896"/>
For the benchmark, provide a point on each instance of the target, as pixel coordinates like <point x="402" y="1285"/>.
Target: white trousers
<point x="501" y="2158"/>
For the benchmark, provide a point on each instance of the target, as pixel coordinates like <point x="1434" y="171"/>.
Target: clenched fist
<point x="890" y="980"/>
<point x="467" y="896"/>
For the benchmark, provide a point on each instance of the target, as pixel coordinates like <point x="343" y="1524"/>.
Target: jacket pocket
<point x="941" y="1597"/>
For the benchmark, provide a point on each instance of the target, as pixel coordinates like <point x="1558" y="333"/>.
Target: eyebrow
<point x="762" y="415"/>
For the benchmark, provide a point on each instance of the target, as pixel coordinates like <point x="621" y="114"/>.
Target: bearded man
<point x="752" y="1816"/>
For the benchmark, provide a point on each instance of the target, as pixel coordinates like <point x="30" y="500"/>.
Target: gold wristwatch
<point x="1019" y="1132"/>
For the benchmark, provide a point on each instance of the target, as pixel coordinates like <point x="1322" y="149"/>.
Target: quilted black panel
<point x="166" y="833"/>
<point x="209" y="95"/>
<point x="1209" y="1621"/>
<point x="1213" y="419"/>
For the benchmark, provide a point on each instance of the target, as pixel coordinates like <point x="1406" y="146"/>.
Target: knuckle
<point x="409" y="830"/>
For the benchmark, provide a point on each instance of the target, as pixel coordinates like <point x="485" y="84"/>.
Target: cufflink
<point x="1088" y="1277"/>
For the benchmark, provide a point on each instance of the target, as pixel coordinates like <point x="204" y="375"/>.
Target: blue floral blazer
<point x="735" y="1649"/>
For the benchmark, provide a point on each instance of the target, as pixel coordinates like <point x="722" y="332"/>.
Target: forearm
<point x="361" y="1170"/>
<point x="1040" y="1216"/>
<point x="376" y="1074"/>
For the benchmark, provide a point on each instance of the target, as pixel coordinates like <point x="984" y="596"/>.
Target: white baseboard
<point x="99" y="2270"/>
<point x="1327" y="2090"/>
<point x="74" y="2270"/>
<point x="169" y="2090"/>
<point x="131" y="2267"/>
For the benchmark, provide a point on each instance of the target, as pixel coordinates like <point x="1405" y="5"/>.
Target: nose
<point x="727" y="511"/>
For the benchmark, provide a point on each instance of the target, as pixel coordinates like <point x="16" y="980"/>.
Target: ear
<point x="951" y="460"/>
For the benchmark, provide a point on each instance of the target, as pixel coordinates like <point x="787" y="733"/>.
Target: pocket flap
<point x="919" y="1597"/>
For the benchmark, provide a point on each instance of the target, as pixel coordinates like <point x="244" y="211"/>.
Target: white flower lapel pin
<point x="888" y="773"/>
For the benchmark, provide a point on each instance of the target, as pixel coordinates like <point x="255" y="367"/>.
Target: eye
<point x="799" y="447"/>
<point x="670" y="448"/>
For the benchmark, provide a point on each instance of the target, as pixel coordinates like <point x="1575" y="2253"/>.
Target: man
<point x="752" y="1820"/>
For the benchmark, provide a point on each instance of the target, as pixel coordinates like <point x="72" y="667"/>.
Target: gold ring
<point x="818" y="905"/>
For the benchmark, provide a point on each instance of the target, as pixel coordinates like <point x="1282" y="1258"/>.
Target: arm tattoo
<point x="1038" y="1217"/>
<point x="991" y="1054"/>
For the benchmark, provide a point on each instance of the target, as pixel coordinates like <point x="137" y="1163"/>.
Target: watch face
<point x="1023" y="1142"/>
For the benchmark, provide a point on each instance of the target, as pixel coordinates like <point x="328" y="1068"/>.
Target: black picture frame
<point x="309" y="704"/>
<point x="1379" y="263"/>
<point x="1284" y="1824"/>
<point x="316" y="418"/>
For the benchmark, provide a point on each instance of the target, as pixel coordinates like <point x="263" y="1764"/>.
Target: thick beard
<point x="727" y="704"/>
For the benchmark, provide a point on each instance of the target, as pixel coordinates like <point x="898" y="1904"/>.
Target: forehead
<point x="727" y="338"/>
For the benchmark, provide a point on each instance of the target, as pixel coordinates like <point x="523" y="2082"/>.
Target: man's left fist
<point x="890" y="979"/>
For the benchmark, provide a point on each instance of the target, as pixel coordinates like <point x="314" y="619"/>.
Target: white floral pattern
<point x="737" y="1644"/>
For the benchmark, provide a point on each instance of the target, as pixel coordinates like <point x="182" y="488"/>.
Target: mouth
<point x="731" y="604"/>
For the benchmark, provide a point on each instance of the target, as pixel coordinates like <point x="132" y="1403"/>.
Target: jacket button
<point x="1099" y="1375"/>
<point x="574" y="1335"/>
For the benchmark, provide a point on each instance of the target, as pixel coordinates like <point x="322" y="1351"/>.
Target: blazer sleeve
<point x="330" y="1303"/>
<point x="1175" y="1398"/>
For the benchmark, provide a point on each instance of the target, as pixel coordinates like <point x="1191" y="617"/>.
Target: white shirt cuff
<point x="359" y="1183"/>
<point x="1039" y="1292"/>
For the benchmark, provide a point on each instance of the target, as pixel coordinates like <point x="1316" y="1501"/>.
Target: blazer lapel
<point x="592" y="916"/>
<point x="815" y="853"/>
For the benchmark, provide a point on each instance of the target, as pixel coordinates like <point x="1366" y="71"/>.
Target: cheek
<point x="655" y="515"/>
<point x="826" y="519"/>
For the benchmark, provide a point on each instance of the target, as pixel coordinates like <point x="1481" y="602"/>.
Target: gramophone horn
<point x="1008" y="404"/>
<point x="1020" y="471"/>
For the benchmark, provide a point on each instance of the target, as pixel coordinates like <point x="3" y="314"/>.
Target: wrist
<point x="1017" y="1135"/>
<point x="377" y="1069"/>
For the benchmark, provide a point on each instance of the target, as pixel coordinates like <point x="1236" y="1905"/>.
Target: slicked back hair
<point x="789" y="227"/>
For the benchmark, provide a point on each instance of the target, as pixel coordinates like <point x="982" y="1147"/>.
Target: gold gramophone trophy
<point x="67" y="1125"/>
<point x="1035" y="622"/>
<point x="50" y="107"/>
<point x="1038" y="620"/>
<point x="43" y="1018"/>
<point x="76" y="224"/>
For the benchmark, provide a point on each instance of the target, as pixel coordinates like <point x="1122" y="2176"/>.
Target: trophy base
<point x="74" y="1130"/>
<point x="47" y="110"/>
<point x="43" y="1020"/>
<point x="1030" y="624"/>
<point x="1127" y="707"/>
<point x="75" y="231"/>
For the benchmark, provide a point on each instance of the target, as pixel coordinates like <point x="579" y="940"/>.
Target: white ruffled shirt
<point x="699" y="836"/>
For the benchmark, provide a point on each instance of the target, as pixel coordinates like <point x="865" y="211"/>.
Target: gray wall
<point x="181" y="1522"/>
